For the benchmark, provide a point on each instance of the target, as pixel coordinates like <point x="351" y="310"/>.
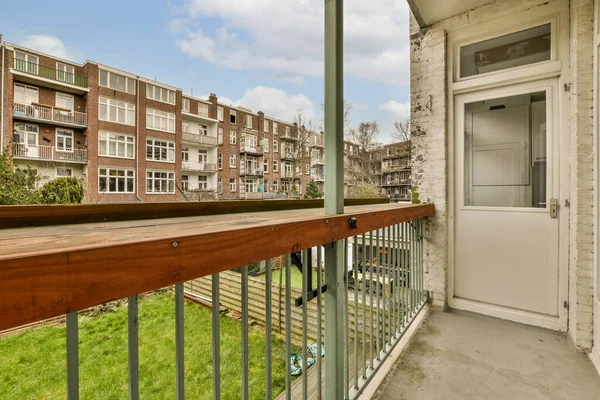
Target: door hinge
<point x="566" y="304"/>
<point x="567" y="87"/>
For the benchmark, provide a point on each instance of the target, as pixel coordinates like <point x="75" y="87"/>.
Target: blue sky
<point x="264" y="54"/>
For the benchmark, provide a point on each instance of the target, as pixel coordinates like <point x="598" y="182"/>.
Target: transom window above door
<point x="516" y="49"/>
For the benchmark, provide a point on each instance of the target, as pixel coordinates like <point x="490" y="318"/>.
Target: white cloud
<point x="50" y="45"/>
<point x="176" y="26"/>
<point x="286" y="37"/>
<point x="400" y="111"/>
<point x="275" y="103"/>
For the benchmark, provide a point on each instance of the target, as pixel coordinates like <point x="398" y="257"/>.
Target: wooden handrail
<point x="44" y="215"/>
<point x="50" y="271"/>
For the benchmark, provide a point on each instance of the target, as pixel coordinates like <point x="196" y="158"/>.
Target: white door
<point x="506" y="244"/>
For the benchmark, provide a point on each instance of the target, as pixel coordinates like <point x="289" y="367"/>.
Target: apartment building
<point x="130" y="138"/>
<point x="395" y="171"/>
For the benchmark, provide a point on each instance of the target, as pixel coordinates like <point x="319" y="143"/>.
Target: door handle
<point x="554" y="208"/>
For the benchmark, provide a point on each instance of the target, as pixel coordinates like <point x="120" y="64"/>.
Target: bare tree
<point x="401" y="133"/>
<point x="347" y="109"/>
<point x="365" y="137"/>
<point x="295" y="151"/>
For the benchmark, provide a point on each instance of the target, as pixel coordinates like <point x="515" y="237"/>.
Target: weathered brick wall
<point x="429" y="145"/>
<point x="581" y="175"/>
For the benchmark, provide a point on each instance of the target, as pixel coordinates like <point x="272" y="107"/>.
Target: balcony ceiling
<point x="428" y="12"/>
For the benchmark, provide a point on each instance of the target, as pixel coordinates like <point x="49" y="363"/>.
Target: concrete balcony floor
<point x="456" y="355"/>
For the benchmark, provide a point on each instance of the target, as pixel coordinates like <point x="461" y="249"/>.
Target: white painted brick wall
<point x="430" y="169"/>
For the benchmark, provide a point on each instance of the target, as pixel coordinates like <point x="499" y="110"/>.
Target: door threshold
<point x="509" y="314"/>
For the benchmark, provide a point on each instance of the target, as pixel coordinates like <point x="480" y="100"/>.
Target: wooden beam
<point x="45" y="215"/>
<point x="58" y="280"/>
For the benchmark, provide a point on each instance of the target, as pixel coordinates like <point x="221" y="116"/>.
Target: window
<point x="220" y="184"/>
<point x="185" y="155"/>
<point x="114" y="180"/>
<point x="185" y="126"/>
<point x="203" y="109"/>
<point x="266" y="128"/>
<point x="26" y="62"/>
<point x="24" y="136"/>
<point x="232" y="116"/>
<point x="120" y="112"/>
<point x="160" y="94"/>
<point x="65" y="73"/>
<point x="266" y="166"/>
<point x="513" y="50"/>
<point x="64" y="140"/>
<point x="232" y="185"/>
<point x="26" y="94"/>
<point x="160" y="150"/>
<point x="232" y="137"/>
<point x="306" y="169"/>
<point x="266" y="185"/>
<point x="115" y="145"/>
<point x="275" y="165"/>
<point x="202" y="156"/>
<point x="275" y="128"/>
<point x="232" y="161"/>
<point x="117" y="82"/>
<point x="276" y="186"/>
<point x="64" y="172"/>
<point x="220" y="113"/>
<point x="64" y="101"/>
<point x="220" y="160"/>
<point x="185" y="182"/>
<point x="160" y="120"/>
<point x="220" y="137"/>
<point x="203" y="130"/>
<point x="275" y="146"/>
<point x="203" y="182"/>
<point x="249" y="121"/>
<point x="287" y="131"/>
<point x="251" y="186"/>
<point x="160" y="182"/>
<point x="185" y="105"/>
<point x="265" y="144"/>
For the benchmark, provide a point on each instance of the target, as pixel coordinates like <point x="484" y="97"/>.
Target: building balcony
<point x="400" y="167"/>
<point x="199" y="167"/>
<point x="200" y="117"/>
<point x="202" y="140"/>
<point x="56" y="115"/>
<point x="50" y="77"/>
<point x="288" y="137"/>
<point x="317" y="161"/>
<point x="318" y="142"/>
<point x="317" y="177"/>
<point x="48" y="153"/>
<point x="248" y="148"/>
<point x="248" y="170"/>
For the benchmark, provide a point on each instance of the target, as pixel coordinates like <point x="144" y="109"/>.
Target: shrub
<point x="62" y="191"/>
<point x="17" y="187"/>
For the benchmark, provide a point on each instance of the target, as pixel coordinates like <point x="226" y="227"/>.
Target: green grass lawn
<point x="33" y="366"/>
<point x="296" y="277"/>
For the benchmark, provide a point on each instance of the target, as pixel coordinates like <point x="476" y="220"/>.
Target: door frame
<point x="558" y="14"/>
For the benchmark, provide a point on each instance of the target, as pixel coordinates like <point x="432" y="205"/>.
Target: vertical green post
<point x="334" y="197"/>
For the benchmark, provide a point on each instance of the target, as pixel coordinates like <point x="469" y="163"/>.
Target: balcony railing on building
<point x="209" y="166"/>
<point x="197" y="138"/>
<point x="48" y="153"/>
<point x="57" y="115"/>
<point x="49" y="73"/>
<point x="250" y="147"/>
<point x="318" y="161"/>
<point x="317" y="142"/>
<point x="251" y="170"/>
<point x="397" y="167"/>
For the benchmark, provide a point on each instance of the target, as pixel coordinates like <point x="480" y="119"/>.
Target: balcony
<point x="35" y="73"/>
<point x="317" y="161"/>
<point x="202" y="140"/>
<point x="202" y="116"/>
<point x="48" y="153"/>
<point x="199" y="167"/>
<point x="251" y="170"/>
<point x="57" y="116"/>
<point x="250" y="148"/>
<point x="392" y="168"/>
<point x="289" y="137"/>
<point x="317" y="142"/>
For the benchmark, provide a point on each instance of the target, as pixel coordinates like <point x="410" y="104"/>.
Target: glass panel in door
<point x="505" y="152"/>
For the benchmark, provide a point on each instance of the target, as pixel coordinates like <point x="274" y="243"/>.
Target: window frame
<point x="233" y="137"/>
<point x="65" y="137"/>
<point x="232" y="157"/>
<point x="25" y="87"/>
<point x="71" y="74"/>
<point x="232" y="185"/>
<point x="64" y="95"/>
<point x="108" y="139"/>
<point x="168" y="179"/>
<point x="220" y="114"/>
<point x="160" y="92"/>
<point x="125" y="176"/>
<point x="275" y="165"/>
<point x="169" y="150"/>
<point x="185" y="101"/>
<point x="233" y="113"/>
<point x="110" y="102"/>
<point x="155" y="114"/>
<point x="128" y="80"/>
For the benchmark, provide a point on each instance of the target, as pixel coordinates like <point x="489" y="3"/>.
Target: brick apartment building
<point x="129" y="138"/>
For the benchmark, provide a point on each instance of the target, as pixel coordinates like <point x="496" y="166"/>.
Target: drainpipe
<point x="334" y="199"/>
<point x="137" y="141"/>
<point x="2" y="102"/>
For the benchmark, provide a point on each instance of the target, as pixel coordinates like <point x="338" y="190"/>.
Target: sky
<point x="263" y="54"/>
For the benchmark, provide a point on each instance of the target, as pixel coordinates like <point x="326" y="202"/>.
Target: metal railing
<point x="251" y="171"/>
<point x="49" y="113"/>
<point x="50" y="73"/>
<point x="395" y="167"/>
<point x="202" y="167"/>
<point x="249" y="148"/>
<point x="48" y="153"/>
<point x="381" y="293"/>
<point x="199" y="139"/>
